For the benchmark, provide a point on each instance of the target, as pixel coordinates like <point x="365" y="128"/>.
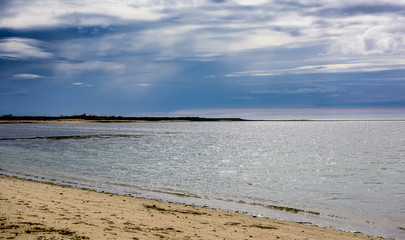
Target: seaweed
<point x="264" y="227"/>
<point x="154" y="207"/>
<point x="289" y="209"/>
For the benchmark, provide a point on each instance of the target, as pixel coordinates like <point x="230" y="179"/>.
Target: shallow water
<point x="349" y="175"/>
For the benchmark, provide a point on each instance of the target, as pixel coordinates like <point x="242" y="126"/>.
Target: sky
<point x="254" y="59"/>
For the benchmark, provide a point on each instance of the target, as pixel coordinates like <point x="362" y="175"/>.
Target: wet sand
<point x="34" y="210"/>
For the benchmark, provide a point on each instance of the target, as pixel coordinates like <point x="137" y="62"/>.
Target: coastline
<point x="32" y="209"/>
<point x="10" y="119"/>
<point x="65" y="121"/>
<point x="30" y="121"/>
<point x="180" y="120"/>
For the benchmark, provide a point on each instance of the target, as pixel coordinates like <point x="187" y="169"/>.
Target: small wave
<point x="276" y="207"/>
<point x="176" y="193"/>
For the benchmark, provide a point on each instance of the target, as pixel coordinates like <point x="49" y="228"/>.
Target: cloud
<point x="22" y="48"/>
<point x="251" y="2"/>
<point x="245" y="25"/>
<point x="379" y="36"/>
<point x="361" y="65"/>
<point x="297" y="91"/>
<point x="81" y="84"/>
<point x="27" y="76"/>
<point x="145" y="85"/>
<point x="197" y="29"/>
<point x="21" y="14"/>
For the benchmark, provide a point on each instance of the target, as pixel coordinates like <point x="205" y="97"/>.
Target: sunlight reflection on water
<point x="353" y="170"/>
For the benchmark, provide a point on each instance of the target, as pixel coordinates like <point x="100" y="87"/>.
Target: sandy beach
<point x="35" y="210"/>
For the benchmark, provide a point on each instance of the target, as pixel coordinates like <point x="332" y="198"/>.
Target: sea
<point x="346" y="175"/>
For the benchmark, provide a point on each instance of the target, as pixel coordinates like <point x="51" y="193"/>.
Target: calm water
<point x="346" y="175"/>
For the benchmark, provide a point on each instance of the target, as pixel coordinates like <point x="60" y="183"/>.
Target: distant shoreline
<point x="10" y="119"/>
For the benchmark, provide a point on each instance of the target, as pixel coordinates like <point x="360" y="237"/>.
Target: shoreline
<point x="79" y="121"/>
<point x="10" y="119"/>
<point x="50" y="120"/>
<point x="31" y="209"/>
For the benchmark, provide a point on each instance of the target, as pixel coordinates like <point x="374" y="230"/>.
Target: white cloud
<point x="145" y="85"/>
<point x="369" y="35"/>
<point x="273" y="24"/>
<point x="203" y="30"/>
<point x="203" y="41"/>
<point x="22" y="48"/>
<point x="81" y="84"/>
<point x="49" y="13"/>
<point x="347" y="65"/>
<point x="27" y="76"/>
<point x="251" y="2"/>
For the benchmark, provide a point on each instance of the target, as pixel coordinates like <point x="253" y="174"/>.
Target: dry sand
<point x="34" y="210"/>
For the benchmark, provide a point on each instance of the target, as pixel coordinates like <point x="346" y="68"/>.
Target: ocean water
<point x="348" y="175"/>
